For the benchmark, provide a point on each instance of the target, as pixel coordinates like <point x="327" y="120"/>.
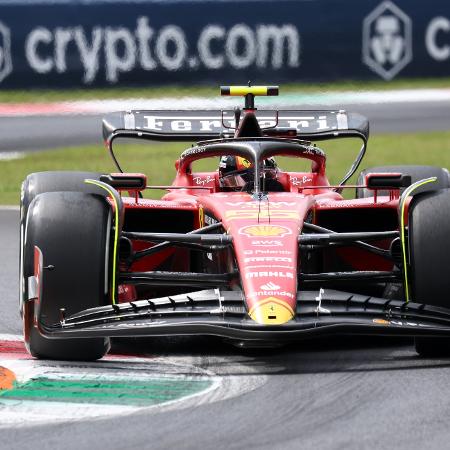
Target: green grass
<point x="157" y="160"/>
<point x="49" y="95"/>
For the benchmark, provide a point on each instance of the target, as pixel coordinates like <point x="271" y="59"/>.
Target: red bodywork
<point x="265" y="234"/>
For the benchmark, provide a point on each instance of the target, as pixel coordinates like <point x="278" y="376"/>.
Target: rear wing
<point x="202" y="125"/>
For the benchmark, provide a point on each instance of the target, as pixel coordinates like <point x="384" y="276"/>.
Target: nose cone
<point x="271" y="311"/>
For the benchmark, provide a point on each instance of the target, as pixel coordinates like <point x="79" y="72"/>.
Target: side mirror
<point x="126" y="181"/>
<point x="387" y="181"/>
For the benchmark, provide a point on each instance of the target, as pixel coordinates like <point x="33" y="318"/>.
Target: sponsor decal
<point x="269" y="286"/>
<point x="266" y="252"/>
<point x="257" y="205"/>
<point x="267" y="259"/>
<point x="298" y="181"/>
<point x="387" y="40"/>
<point x="186" y="127"/>
<point x="163" y="205"/>
<point x="266" y="243"/>
<point x="324" y="203"/>
<point x="201" y="181"/>
<point x="208" y="122"/>
<point x="343" y="125"/>
<point x="276" y="293"/>
<point x="263" y="214"/>
<point x="269" y="266"/>
<point x="265" y="230"/>
<point x="274" y="274"/>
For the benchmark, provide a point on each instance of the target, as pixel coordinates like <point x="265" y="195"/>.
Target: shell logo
<point x="265" y="230"/>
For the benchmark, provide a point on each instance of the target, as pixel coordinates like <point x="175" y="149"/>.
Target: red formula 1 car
<point x="248" y="252"/>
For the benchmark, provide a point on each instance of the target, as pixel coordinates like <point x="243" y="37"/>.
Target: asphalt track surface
<point x="331" y="394"/>
<point x="38" y="133"/>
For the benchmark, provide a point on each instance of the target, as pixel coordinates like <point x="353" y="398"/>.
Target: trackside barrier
<point x="63" y="43"/>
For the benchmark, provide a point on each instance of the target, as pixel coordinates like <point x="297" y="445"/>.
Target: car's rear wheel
<point x="38" y="183"/>
<point x="429" y="245"/>
<point x="72" y="230"/>
<point x="416" y="172"/>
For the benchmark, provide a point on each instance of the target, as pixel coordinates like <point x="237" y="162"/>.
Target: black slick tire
<point x="71" y="229"/>
<point x="39" y="183"/>
<point x="429" y="244"/>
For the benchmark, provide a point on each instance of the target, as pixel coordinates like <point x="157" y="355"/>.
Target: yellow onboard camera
<point x="249" y="92"/>
<point x="245" y="90"/>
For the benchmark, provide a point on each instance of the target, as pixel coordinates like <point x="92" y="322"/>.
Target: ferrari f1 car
<point x="248" y="252"/>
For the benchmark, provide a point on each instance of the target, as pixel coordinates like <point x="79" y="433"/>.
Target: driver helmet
<point x="236" y="172"/>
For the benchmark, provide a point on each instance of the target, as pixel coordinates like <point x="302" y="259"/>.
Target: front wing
<point x="222" y="313"/>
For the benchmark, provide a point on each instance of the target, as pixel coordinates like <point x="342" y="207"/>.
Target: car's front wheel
<point x="72" y="231"/>
<point x="429" y="246"/>
<point x="39" y="183"/>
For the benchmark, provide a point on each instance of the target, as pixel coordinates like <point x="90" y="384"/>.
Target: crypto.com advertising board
<point x="106" y="43"/>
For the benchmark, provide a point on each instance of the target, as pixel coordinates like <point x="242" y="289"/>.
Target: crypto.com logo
<point x="387" y="40"/>
<point x="5" y="52"/>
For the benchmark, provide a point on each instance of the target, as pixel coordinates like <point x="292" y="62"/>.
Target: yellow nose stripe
<point x="271" y="311"/>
